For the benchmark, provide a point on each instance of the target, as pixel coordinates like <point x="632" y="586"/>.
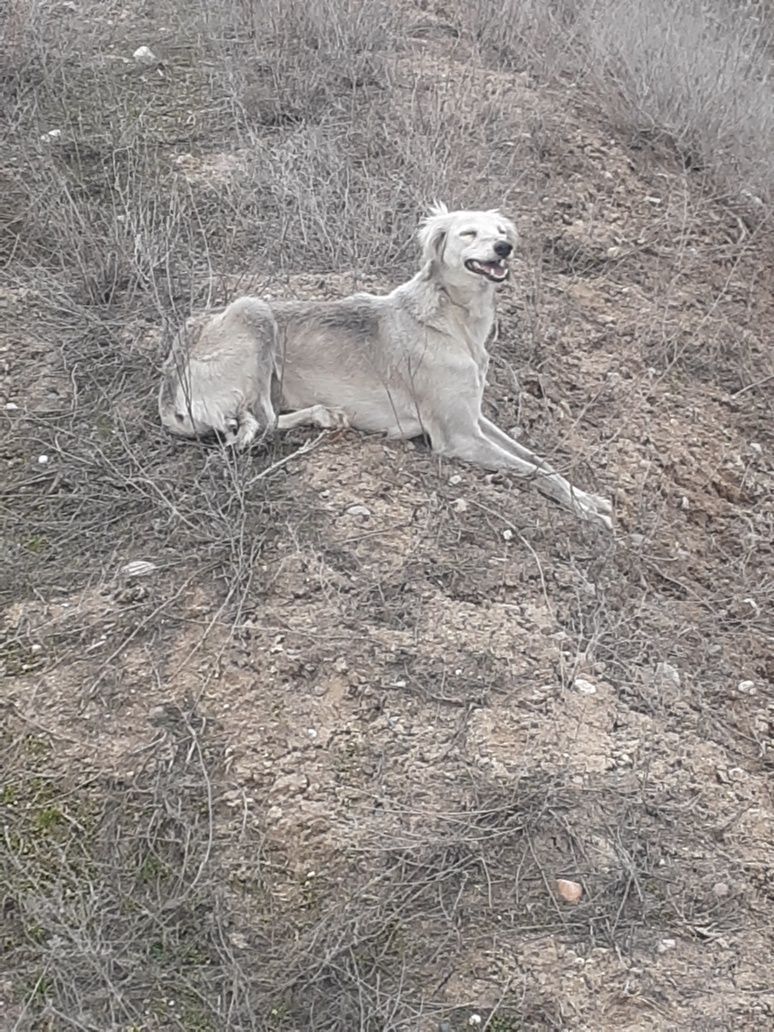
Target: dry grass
<point x="148" y="880"/>
<point x="697" y="77"/>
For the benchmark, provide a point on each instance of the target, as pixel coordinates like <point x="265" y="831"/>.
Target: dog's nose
<point x="502" y="249"/>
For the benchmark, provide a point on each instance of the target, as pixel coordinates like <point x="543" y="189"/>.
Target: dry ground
<point x="320" y="768"/>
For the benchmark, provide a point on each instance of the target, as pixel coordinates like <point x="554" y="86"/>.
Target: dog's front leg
<point x="602" y="505"/>
<point x="465" y="438"/>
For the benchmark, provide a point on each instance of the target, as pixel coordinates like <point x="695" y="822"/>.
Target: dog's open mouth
<point x="496" y="271"/>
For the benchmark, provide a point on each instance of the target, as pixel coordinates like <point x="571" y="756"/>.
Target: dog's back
<point x="219" y="370"/>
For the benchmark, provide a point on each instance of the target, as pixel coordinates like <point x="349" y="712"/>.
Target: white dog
<point x="408" y="363"/>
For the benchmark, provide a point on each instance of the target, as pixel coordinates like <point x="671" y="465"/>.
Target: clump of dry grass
<point x="697" y="75"/>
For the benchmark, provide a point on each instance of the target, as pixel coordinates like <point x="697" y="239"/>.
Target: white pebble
<point x="666" y="672"/>
<point x="585" y="687"/>
<point x="507" y="535"/>
<point x="456" y="479"/>
<point x="144" y="55"/>
<point x="42" y="459"/>
<point x="459" y="505"/>
<point x="11" y="406"/>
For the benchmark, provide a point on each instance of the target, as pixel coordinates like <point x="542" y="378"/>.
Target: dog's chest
<point x="472" y="333"/>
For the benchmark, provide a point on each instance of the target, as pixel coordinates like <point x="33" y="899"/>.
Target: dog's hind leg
<point x="315" y="415"/>
<point x="249" y="428"/>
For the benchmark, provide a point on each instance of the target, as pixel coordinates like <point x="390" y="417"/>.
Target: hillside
<point x="319" y="763"/>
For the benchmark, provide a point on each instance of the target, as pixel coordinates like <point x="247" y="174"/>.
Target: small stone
<point x="459" y="505"/>
<point x="653" y="200"/>
<point x="665" y="945"/>
<point x="292" y="784"/>
<point x="507" y="535"/>
<point x="52" y="134"/>
<point x="753" y="197"/>
<point x="36" y="648"/>
<point x="42" y="460"/>
<point x="475" y="1020"/>
<point x="584" y="687"/>
<point x="721" y="889"/>
<point x="144" y="55"/>
<point x="11" y="406"/>
<point x="613" y="252"/>
<point x="756" y="448"/>
<point x="665" y="672"/>
<point x="569" y="891"/>
<point x="359" y="510"/>
<point x="747" y="687"/>
<point x="456" y="479"/>
<point x="138" y="568"/>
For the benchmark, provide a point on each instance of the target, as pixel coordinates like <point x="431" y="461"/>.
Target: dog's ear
<point x="432" y="232"/>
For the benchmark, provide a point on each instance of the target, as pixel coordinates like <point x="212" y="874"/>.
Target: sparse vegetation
<point x="319" y="769"/>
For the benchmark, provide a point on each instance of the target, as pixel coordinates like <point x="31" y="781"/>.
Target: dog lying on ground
<point x="409" y="363"/>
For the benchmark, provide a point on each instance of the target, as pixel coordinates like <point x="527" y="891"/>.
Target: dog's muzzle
<point x="496" y="270"/>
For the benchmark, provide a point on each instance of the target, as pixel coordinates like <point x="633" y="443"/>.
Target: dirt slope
<point x="322" y="765"/>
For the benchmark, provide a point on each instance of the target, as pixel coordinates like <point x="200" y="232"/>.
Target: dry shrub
<point x="697" y="74"/>
<point x="540" y="36"/>
<point x="287" y="63"/>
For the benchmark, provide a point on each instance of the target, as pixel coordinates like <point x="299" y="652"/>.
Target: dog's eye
<point x="468" y="233"/>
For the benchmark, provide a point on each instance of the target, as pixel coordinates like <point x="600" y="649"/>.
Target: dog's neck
<point x="465" y="315"/>
<point x="477" y="301"/>
<point x="435" y="300"/>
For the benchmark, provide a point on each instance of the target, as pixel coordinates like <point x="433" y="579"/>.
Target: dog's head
<point x="472" y="246"/>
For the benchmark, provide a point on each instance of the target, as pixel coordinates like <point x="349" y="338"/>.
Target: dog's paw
<point x="603" y="505"/>
<point x="331" y="418"/>
<point x="594" y="508"/>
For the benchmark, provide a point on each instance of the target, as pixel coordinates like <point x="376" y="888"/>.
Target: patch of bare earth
<point x="319" y="764"/>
